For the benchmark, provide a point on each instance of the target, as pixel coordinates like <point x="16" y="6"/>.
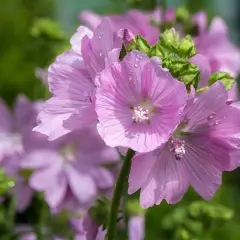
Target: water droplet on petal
<point x="135" y="65"/>
<point x="217" y="122"/>
<point x="211" y="116"/>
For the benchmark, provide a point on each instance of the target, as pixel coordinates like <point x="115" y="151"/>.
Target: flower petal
<point x="206" y="158"/>
<point x="81" y="184"/>
<point x="78" y="36"/>
<point x="136" y="228"/>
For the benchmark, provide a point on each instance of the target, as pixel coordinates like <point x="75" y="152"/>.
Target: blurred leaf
<point x="48" y="27"/>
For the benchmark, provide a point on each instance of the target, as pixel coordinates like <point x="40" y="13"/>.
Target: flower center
<point x="69" y="152"/>
<point x="140" y="114"/>
<point x="177" y="146"/>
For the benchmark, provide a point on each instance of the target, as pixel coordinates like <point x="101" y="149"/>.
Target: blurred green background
<point x="34" y="32"/>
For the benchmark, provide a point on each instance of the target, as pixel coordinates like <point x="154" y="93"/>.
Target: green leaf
<point x="6" y="182"/>
<point x="134" y="207"/>
<point x="48" y="27"/>
<point x="224" y="77"/>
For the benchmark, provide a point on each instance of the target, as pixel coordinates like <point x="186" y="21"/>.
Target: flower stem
<point x="121" y="181"/>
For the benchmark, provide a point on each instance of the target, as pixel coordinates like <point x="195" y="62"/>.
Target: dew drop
<point x="211" y="116"/>
<point x="217" y="122"/>
<point x="135" y="65"/>
<point x="101" y="35"/>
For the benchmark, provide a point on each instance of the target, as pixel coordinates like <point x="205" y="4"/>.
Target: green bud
<point x="182" y="14"/>
<point x="224" y="77"/>
<point x="142" y="44"/>
<point x="169" y="40"/>
<point x="187" y="47"/>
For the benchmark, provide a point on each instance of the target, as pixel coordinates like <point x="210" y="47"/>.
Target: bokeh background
<point x="32" y="33"/>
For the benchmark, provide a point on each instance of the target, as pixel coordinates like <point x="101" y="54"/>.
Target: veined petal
<point x="206" y="158"/>
<point x="81" y="184"/>
<point x="78" y="36"/>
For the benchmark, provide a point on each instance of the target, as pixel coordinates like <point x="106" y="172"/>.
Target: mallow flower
<point x="214" y="44"/>
<point x="71" y="80"/>
<point x="196" y="154"/>
<point x="71" y="174"/>
<point x="136" y="21"/>
<point x="17" y="139"/>
<point x="138" y="103"/>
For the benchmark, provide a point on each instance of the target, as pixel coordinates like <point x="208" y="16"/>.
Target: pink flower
<point x="214" y="44"/>
<point x="138" y="103"/>
<point x="17" y="138"/>
<point x="197" y="153"/>
<point x="70" y="175"/>
<point x="86" y="229"/>
<point x="136" y="21"/>
<point x="71" y="80"/>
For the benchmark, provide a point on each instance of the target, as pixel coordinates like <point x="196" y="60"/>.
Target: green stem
<point x="123" y="175"/>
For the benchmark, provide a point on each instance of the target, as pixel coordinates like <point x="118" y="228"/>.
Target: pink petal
<point x="102" y="177"/>
<point x="204" y="66"/>
<point x="205" y="160"/>
<point x="39" y="159"/>
<point x="90" y="19"/>
<point x="71" y="106"/>
<point x="142" y="165"/>
<point x="81" y="184"/>
<point x="24" y="195"/>
<point x="200" y="112"/>
<point x="168" y="180"/>
<point x="56" y="190"/>
<point x="136" y="228"/>
<point x="78" y="36"/>
<point x="200" y="19"/>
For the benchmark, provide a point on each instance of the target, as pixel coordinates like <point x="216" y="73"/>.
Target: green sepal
<point x="142" y="44"/>
<point x="184" y="71"/>
<point x="224" y="77"/>
<point x="100" y="212"/>
<point x="187" y="47"/>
